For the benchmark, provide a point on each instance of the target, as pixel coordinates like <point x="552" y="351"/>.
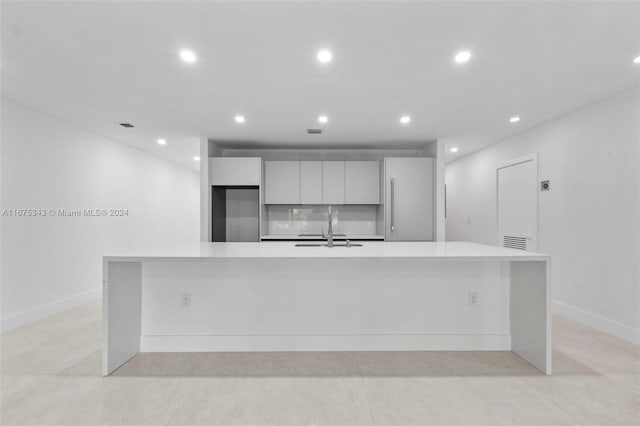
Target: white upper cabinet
<point x="311" y="182"/>
<point x="322" y="182"/>
<point x="282" y="182"/>
<point x="333" y="182"/>
<point x="235" y="171"/>
<point x="362" y="182"/>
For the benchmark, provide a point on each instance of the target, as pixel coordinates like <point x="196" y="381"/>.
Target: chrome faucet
<point x="330" y="231"/>
<point x="329" y="235"/>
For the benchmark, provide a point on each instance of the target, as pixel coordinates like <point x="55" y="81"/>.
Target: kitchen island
<point x="274" y="296"/>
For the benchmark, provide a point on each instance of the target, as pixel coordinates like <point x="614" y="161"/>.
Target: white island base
<point x="225" y="297"/>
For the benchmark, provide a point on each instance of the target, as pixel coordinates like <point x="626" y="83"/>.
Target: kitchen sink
<point x="327" y="245"/>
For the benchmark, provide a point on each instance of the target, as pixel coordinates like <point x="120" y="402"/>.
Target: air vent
<point x="127" y="125"/>
<point x="314" y="131"/>
<point x="519" y="243"/>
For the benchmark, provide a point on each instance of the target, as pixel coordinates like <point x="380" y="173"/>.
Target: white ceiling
<point x="96" y="64"/>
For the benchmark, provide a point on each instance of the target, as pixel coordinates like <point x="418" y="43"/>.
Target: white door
<point x="518" y="204"/>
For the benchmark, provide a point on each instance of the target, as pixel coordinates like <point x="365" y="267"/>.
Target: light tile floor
<point x="51" y="376"/>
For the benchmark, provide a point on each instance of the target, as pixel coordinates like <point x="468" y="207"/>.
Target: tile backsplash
<point x="308" y="219"/>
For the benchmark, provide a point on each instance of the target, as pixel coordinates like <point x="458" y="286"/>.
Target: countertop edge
<point x="440" y="258"/>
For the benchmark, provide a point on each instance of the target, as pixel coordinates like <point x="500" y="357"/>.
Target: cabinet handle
<point x="393" y="204"/>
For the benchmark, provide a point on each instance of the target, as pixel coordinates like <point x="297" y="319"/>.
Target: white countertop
<point x="369" y="249"/>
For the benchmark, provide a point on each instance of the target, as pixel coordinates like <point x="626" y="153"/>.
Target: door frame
<point x="533" y="157"/>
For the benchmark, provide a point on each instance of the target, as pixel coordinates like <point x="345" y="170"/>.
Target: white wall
<point x="590" y="219"/>
<point x="51" y="263"/>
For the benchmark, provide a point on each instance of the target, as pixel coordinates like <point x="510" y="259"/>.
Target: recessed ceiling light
<point x="454" y="149"/>
<point x="323" y="119"/>
<point x="188" y="56"/>
<point x="637" y="60"/>
<point x="239" y="118"/>
<point x="462" y="57"/>
<point x="162" y="142"/>
<point x="324" y="56"/>
<point x="196" y="158"/>
<point x="405" y="119"/>
<point x="514" y="119"/>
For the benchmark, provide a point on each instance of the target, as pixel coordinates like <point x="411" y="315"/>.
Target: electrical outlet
<point x="186" y="300"/>
<point x="473" y="298"/>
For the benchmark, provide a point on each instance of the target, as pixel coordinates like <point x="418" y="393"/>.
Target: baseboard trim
<point x="333" y="342"/>
<point x="598" y="322"/>
<point x="44" y="311"/>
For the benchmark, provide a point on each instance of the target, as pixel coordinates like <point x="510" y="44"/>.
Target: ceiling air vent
<point x="128" y="125"/>
<point x="314" y="131"/>
<point x="519" y="243"/>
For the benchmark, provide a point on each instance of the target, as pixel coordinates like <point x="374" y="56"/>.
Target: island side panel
<point x="121" y="309"/>
<point x="324" y="304"/>
<point x="531" y="313"/>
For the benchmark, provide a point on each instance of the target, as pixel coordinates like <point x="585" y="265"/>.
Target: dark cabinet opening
<point x="235" y="214"/>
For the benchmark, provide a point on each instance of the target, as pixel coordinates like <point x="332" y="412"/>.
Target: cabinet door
<point x="235" y="171"/>
<point x="282" y="182"/>
<point x="333" y="182"/>
<point x="311" y="182"/>
<point x="362" y="182"/>
<point x="409" y="202"/>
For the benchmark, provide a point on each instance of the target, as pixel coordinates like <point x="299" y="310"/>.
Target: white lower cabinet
<point x="282" y="182"/>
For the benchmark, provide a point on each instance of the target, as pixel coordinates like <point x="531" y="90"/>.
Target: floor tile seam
<point x="548" y="398"/>
<point x="363" y="385"/>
